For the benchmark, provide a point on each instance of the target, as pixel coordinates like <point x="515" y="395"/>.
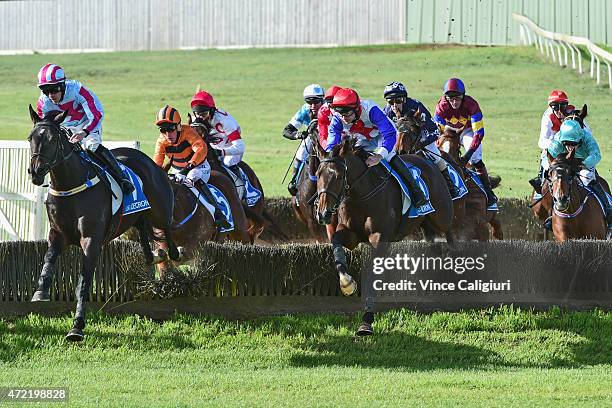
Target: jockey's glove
<point x="466" y="157"/>
<point x="290" y="132"/>
<point x="185" y="170"/>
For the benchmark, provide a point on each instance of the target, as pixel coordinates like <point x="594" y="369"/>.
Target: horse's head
<point x="561" y="175"/>
<point x="578" y="115"/>
<point x="450" y="141"/>
<point x="409" y="132"/>
<point x="332" y="181"/>
<point x="47" y="144"/>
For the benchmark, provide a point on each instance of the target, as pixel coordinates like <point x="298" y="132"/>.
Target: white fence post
<point x="546" y="39"/>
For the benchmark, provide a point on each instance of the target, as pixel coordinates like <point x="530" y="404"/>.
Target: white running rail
<point x="552" y="43"/>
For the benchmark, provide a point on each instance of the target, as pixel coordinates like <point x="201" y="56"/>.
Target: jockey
<point x="399" y="104"/>
<point x="224" y="133"/>
<point x="374" y="131"/>
<point x="572" y="136"/>
<point x="461" y="113"/>
<point x="187" y="152"/>
<point x="325" y="114"/>
<point x="313" y="96"/>
<point x="558" y="109"/>
<point x="84" y="117"/>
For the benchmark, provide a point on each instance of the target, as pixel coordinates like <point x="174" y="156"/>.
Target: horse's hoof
<point x="160" y="256"/>
<point x="349" y="289"/>
<point x="365" y="330"/>
<point x="75" y="335"/>
<point x="40" y="296"/>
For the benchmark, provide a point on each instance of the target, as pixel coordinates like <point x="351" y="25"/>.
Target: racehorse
<point x="257" y="216"/>
<point x="576" y="212"/>
<point x="302" y="203"/>
<point x="79" y="206"/>
<point x="408" y="142"/>
<point x="194" y="224"/>
<point x="368" y="204"/>
<point x="542" y="206"/>
<point x="478" y="220"/>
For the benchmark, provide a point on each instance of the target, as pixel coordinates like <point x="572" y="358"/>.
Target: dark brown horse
<point x="258" y="218"/>
<point x="80" y="210"/>
<point x="368" y="204"/>
<point x="408" y="136"/>
<point x="478" y="220"/>
<point x="303" y="202"/>
<point x="576" y="212"/>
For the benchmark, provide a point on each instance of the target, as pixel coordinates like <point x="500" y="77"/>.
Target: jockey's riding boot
<point x="454" y="190"/>
<point x="418" y="197"/>
<point x="113" y="167"/>
<point x="220" y="220"/>
<point x="292" y="186"/>
<point x="486" y="183"/>
<point x="595" y="185"/>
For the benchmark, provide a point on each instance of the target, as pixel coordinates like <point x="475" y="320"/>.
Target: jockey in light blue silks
<point x="573" y="136"/>
<point x="374" y="131"/>
<point x="313" y="96"/>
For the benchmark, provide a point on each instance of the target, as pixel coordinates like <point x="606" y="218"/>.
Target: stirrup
<point x="548" y="223"/>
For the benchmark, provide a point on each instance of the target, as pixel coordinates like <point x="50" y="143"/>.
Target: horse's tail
<point x="495" y="181"/>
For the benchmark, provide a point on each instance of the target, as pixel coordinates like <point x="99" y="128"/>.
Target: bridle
<point x="48" y="164"/>
<point x="346" y="187"/>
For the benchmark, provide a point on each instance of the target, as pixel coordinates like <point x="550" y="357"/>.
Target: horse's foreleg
<point x="91" y="251"/>
<point x="56" y="245"/>
<point x="342" y="238"/>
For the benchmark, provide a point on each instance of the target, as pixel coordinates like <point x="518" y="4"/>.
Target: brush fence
<point x="242" y="281"/>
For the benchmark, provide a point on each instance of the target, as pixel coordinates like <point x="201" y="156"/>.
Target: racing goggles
<point x="570" y="143"/>
<point x="313" y="100"/>
<point x="344" y="110"/>
<point x="395" y="100"/>
<point x="49" y="89"/>
<point x="557" y="106"/>
<point x="167" y="128"/>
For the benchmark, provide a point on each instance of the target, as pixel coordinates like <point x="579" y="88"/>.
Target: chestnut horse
<point x="476" y="214"/>
<point x="576" y="212"/>
<point x="368" y="204"/>
<point x="257" y="216"/>
<point x="80" y="209"/>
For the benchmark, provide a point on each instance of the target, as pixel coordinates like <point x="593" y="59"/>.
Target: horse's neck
<point x="361" y="185"/>
<point x="313" y="164"/>
<point x="68" y="174"/>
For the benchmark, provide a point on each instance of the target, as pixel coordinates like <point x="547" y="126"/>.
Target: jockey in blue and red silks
<point x="84" y="117"/>
<point x="460" y="112"/>
<point x="374" y="131"/>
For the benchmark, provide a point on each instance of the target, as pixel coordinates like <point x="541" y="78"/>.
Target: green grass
<point x="262" y="89"/>
<point x="503" y="357"/>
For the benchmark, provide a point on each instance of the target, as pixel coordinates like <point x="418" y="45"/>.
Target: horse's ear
<point x="189" y="120"/>
<point x="583" y="111"/>
<point x="33" y="115"/>
<point x="417" y="114"/>
<point x="59" y="118"/>
<point x="549" y="156"/>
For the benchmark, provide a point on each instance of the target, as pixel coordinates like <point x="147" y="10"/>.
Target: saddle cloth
<point x="407" y="207"/>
